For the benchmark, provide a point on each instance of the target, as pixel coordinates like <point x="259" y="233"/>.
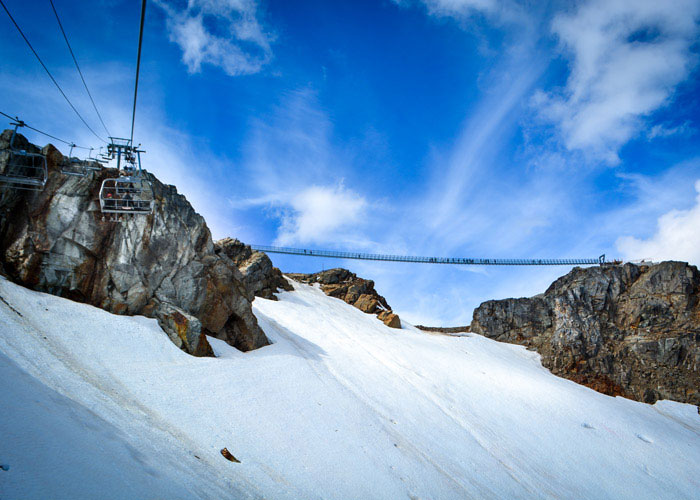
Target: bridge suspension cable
<point x="429" y="260"/>
<point x="48" y="72"/>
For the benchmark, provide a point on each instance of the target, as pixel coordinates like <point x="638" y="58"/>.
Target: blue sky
<point x="467" y="128"/>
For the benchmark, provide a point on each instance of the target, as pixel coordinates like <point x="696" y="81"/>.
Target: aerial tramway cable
<point x="24" y="124"/>
<point x="2" y="3"/>
<point x="138" y="67"/>
<point x="70" y="49"/>
<point x="131" y="193"/>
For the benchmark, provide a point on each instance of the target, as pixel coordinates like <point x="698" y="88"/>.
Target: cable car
<point x="21" y="169"/>
<point x="131" y="192"/>
<point x="73" y="166"/>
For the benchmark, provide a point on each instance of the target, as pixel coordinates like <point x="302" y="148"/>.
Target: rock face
<point x="358" y="292"/>
<point x="162" y="265"/>
<point x="259" y="275"/>
<point x="631" y="330"/>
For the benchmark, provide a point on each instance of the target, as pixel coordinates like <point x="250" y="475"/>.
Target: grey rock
<point x="631" y="330"/>
<point x="57" y="240"/>
<point x="184" y="330"/>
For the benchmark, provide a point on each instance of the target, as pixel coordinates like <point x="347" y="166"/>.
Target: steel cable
<point x="2" y="3"/>
<point x="70" y="49"/>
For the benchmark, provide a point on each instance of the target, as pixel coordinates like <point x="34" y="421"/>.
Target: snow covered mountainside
<point x="96" y="405"/>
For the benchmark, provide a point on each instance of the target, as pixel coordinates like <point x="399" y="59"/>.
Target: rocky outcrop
<point x="162" y="265"/>
<point x="184" y="330"/>
<point x="631" y="330"/>
<point x="358" y="292"/>
<point x="390" y="319"/>
<point x="449" y="330"/>
<point x="259" y="275"/>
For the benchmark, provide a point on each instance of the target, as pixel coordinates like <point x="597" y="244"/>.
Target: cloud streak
<point x="225" y="33"/>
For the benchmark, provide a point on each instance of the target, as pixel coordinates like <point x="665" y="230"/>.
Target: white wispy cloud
<point x="223" y="33"/>
<point x="499" y="11"/>
<point x="627" y="58"/>
<point x="663" y="130"/>
<point x="294" y="169"/>
<point x="461" y="7"/>
<point x="473" y="185"/>
<point x="320" y="214"/>
<point x="677" y="237"/>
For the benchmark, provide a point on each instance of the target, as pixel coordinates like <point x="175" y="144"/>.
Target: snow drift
<point x="340" y="406"/>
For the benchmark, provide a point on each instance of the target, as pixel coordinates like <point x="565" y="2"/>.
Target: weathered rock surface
<point x="390" y="319"/>
<point x="358" y="292"/>
<point x="631" y="330"/>
<point x="449" y="330"/>
<point x="184" y="330"/>
<point x="162" y="265"/>
<point x="259" y="275"/>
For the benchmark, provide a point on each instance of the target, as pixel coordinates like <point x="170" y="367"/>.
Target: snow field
<point x="340" y="406"/>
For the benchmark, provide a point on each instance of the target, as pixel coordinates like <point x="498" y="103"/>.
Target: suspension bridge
<point x="430" y="260"/>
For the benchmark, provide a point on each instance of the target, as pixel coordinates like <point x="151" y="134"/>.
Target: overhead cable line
<point x="138" y="67"/>
<point x="49" y="73"/>
<point x="70" y="49"/>
<point x="24" y="124"/>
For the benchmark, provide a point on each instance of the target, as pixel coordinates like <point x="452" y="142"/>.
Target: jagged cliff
<point x="163" y="265"/>
<point x="631" y="330"/>
<point x="358" y="292"/>
<point x="259" y="275"/>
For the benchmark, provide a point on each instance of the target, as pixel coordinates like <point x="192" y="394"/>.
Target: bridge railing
<point x="429" y="260"/>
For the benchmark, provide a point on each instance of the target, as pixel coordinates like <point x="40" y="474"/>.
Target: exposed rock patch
<point x="162" y="265"/>
<point x="631" y="330"/>
<point x="390" y="319"/>
<point x="358" y="292"/>
<point x="259" y="275"/>
<point x="449" y="330"/>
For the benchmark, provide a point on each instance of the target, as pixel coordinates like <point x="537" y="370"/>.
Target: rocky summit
<point x="630" y="330"/>
<point x="164" y="265"/>
<point x="358" y="292"/>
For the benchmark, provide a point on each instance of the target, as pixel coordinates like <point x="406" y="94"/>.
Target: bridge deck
<point x="429" y="260"/>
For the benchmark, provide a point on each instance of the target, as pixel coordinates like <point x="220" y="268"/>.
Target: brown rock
<point x="228" y="456"/>
<point x="366" y="303"/>
<point x="344" y="285"/>
<point x="259" y="275"/>
<point x="390" y="319"/>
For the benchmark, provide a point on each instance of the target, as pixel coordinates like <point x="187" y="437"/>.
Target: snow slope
<point x="102" y="406"/>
